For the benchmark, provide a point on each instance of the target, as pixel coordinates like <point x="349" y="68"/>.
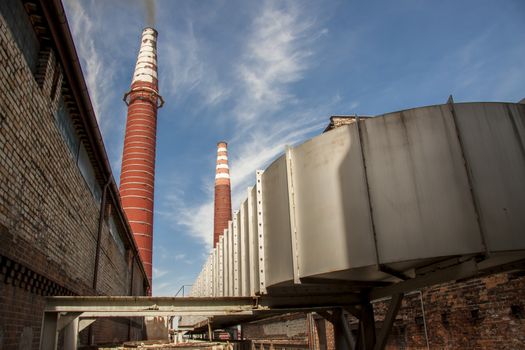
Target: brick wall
<point x="481" y="313"/>
<point x="290" y="326"/>
<point x="48" y="214"/>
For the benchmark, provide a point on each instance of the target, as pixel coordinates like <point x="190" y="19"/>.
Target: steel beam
<point x="367" y="331"/>
<point x="347" y="333"/>
<point x="173" y="312"/>
<point x="101" y="304"/>
<point x="341" y="343"/>
<point x="388" y="322"/>
<point x="467" y="269"/>
<point x="122" y="306"/>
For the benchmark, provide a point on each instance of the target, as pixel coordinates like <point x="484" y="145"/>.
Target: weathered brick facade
<point x="290" y="326"/>
<point x="481" y="313"/>
<point x="51" y="199"/>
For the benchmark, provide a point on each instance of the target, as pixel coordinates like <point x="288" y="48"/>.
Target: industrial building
<point x="399" y="231"/>
<point x="63" y="230"/>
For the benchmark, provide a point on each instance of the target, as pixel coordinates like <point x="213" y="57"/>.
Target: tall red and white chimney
<point x="223" y="201"/>
<point x="137" y="178"/>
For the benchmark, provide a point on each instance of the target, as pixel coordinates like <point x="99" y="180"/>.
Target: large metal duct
<point x="384" y="199"/>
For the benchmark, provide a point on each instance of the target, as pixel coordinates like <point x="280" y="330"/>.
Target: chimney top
<point x="146" y="67"/>
<point x="148" y="29"/>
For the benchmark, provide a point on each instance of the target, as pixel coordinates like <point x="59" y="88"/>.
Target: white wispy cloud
<point x="277" y="53"/>
<point x="188" y="71"/>
<point x="196" y="221"/>
<point x="100" y="57"/>
<point x="84" y="28"/>
<point x="266" y="145"/>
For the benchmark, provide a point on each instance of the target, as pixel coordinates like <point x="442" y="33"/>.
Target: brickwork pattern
<point x="290" y="326"/>
<point x="137" y="179"/>
<point x="48" y="216"/>
<point x="481" y="313"/>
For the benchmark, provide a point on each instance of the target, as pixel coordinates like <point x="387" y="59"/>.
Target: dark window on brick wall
<point x="67" y="129"/>
<point x="77" y="149"/>
<point x="517" y="311"/>
<point x="54" y="84"/>
<point x="86" y="168"/>
<point x="22" y="30"/>
<point x="116" y="234"/>
<point x="475" y="315"/>
<point x="445" y="319"/>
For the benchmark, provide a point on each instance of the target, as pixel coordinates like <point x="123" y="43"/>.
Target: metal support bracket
<point x="366" y="337"/>
<point x="388" y="322"/>
<point x="467" y="269"/>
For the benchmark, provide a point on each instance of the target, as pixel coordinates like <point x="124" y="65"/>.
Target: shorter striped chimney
<point x="223" y="201"/>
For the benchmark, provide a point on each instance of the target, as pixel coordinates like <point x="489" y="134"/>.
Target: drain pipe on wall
<point x="424" y="317"/>
<point x="91" y="336"/>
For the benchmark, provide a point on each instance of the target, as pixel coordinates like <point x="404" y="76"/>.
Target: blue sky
<point x="264" y="74"/>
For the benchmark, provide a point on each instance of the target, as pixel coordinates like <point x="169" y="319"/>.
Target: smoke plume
<point x="150" y="12"/>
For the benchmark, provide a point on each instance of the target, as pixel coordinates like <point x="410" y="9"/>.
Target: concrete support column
<point x="71" y="335"/>
<point x="49" y="331"/>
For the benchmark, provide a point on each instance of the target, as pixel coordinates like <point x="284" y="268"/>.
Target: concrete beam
<point x="49" y="333"/>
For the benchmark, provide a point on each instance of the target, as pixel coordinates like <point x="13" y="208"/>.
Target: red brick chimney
<point x="223" y="200"/>
<point x="137" y="176"/>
